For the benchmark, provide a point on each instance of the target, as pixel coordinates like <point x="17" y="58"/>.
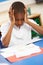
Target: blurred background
<point x="34" y="11"/>
<point x="34" y="7"/>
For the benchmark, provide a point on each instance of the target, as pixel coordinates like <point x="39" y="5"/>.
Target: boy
<point x="18" y="30"/>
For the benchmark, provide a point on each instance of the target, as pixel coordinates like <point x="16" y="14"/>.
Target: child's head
<point x="19" y="12"/>
<point x="18" y="7"/>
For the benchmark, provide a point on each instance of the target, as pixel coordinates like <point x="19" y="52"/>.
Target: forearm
<point x="39" y="29"/>
<point x="6" y="39"/>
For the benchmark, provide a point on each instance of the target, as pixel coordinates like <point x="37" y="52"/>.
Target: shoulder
<point x="5" y="26"/>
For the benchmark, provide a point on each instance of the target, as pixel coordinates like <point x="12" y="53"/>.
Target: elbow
<point x="41" y="32"/>
<point x="4" y="44"/>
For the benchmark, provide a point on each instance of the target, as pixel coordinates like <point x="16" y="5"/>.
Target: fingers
<point x="11" y="14"/>
<point x="25" y="14"/>
<point x="10" y="11"/>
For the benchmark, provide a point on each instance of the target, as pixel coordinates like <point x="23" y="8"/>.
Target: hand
<point x="11" y="15"/>
<point x="26" y="18"/>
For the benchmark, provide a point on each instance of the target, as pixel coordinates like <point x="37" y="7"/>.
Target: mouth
<point x="18" y="26"/>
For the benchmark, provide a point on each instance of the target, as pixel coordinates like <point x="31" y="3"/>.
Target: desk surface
<point x="34" y="60"/>
<point x="3" y="61"/>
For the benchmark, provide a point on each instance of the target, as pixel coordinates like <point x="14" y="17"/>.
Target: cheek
<point x="16" y="22"/>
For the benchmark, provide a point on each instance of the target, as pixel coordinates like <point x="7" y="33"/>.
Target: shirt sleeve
<point x="4" y="30"/>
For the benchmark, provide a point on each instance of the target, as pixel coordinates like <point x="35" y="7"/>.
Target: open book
<point x="27" y="50"/>
<point x="21" y="50"/>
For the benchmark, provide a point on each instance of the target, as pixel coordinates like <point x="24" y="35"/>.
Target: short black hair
<point x="18" y="7"/>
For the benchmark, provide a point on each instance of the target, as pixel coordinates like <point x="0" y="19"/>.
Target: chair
<point x="1" y="46"/>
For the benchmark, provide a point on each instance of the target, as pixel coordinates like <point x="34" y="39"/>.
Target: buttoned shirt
<point x="20" y="35"/>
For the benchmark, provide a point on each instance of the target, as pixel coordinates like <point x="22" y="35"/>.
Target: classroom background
<point x="36" y="7"/>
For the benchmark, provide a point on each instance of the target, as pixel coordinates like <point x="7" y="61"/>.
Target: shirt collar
<point x="18" y="27"/>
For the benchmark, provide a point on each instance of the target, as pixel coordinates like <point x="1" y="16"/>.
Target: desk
<point x="34" y="60"/>
<point x="3" y="60"/>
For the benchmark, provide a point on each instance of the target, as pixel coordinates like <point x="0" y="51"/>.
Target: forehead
<point x="19" y="15"/>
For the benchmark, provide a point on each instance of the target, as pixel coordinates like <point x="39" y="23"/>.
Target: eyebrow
<point x="20" y="19"/>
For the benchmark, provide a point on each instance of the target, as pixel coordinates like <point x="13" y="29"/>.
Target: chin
<point x="19" y="26"/>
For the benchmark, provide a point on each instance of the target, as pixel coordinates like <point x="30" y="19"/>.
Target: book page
<point x="27" y="50"/>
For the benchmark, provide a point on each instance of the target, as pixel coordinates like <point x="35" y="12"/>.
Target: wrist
<point x="27" y="21"/>
<point x="11" y="25"/>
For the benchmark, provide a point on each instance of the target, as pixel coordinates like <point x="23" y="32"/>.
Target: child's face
<point x="19" y="19"/>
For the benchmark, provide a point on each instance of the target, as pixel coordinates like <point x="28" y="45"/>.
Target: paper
<point x="10" y="51"/>
<point x="20" y="50"/>
<point x="34" y="39"/>
<point x="27" y="50"/>
<point x="7" y="52"/>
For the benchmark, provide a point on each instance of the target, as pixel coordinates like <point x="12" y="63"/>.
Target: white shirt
<point x="18" y="36"/>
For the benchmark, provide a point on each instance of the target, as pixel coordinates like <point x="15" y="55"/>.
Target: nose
<point x="20" y="22"/>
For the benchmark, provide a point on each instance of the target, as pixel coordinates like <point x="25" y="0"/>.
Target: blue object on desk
<point x="39" y="43"/>
<point x="3" y="60"/>
<point x="35" y="60"/>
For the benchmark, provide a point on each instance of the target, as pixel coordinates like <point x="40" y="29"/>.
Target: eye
<point x="9" y="12"/>
<point x="22" y="19"/>
<point x="19" y="19"/>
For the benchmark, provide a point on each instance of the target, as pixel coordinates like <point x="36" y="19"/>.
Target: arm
<point x="7" y="38"/>
<point x="39" y="29"/>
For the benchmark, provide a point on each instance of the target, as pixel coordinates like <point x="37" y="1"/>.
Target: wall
<point x="5" y="5"/>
